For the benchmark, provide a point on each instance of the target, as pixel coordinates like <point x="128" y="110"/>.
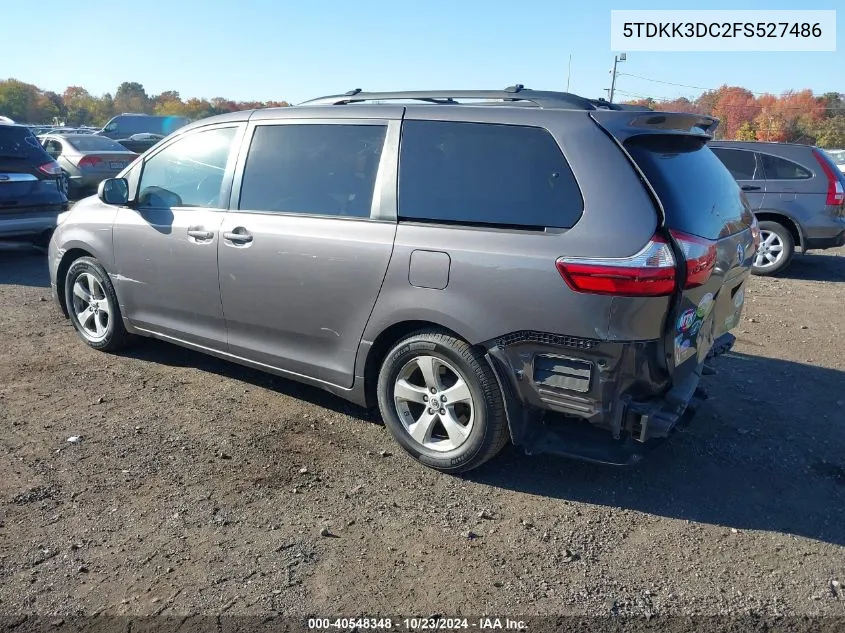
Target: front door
<point x="304" y="254"/>
<point x="165" y="241"/>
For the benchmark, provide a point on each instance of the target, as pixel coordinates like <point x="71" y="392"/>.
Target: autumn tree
<point x="733" y="107"/>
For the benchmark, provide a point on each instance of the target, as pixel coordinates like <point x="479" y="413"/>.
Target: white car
<point x="838" y="156"/>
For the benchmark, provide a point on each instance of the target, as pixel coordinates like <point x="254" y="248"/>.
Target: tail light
<point x="90" y="161"/>
<point x="51" y="169"/>
<point x="700" y="256"/>
<point x="649" y="273"/>
<point x="835" y="192"/>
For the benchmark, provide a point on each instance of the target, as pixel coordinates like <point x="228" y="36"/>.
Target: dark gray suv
<point x="484" y="266"/>
<point x="796" y="192"/>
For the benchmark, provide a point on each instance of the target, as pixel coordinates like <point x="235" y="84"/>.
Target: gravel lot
<point x="202" y="487"/>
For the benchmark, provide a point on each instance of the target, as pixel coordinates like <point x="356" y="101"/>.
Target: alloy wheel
<point x="434" y="403"/>
<point x="91" y="308"/>
<point x="770" y="251"/>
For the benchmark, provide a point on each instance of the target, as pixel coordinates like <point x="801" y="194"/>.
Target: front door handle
<point x="200" y="233"/>
<point x="750" y="188"/>
<point x="238" y="235"/>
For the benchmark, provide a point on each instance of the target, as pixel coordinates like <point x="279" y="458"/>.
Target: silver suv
<point x="796" y="192"/>
<point x="484" y="266"/>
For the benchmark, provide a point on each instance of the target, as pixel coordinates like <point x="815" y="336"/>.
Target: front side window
<point x="189" y="172"/>
<point x="782" y="169"/>
<point x="480" y="173"/>
<point x="319" y="169"/>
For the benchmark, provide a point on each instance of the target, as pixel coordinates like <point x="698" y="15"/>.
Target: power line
<point x="672" y="83"/>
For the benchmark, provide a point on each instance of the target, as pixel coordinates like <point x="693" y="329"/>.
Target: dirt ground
<point x="200" y="487"/>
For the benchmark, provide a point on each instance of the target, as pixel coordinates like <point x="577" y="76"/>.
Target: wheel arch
<point x="786" y="221"/>
<point x="384" y="342"/>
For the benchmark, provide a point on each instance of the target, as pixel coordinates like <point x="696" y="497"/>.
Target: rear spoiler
<point x="625" y="124"/>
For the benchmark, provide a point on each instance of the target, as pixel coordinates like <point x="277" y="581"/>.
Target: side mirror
<point x="114" y="191"/>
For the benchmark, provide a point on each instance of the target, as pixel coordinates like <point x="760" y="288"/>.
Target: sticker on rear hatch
<point x="704" y="306"/>
<point x="686" y="320"/>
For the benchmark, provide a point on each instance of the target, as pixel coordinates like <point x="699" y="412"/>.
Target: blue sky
<point x="280" y="49"/>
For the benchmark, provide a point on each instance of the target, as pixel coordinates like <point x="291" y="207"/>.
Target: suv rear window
<point x="19" y="142"/>
<point x="698" y="193"/>
<point x="479" y="173"/>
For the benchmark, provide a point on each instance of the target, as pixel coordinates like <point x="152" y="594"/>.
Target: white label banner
<point x="722" y="30"/>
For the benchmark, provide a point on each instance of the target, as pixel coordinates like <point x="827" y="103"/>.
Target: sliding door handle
<point x="239" y="236"/>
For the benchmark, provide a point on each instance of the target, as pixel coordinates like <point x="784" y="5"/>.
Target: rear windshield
<point x="96" y="144"/>
<point x="697" y="191"/>
<point x="19" y="142"/>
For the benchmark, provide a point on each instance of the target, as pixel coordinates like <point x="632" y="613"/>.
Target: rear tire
<point x="776" y="249"/>
<point x="440" y="400"/>
<point x="93" y="307"/>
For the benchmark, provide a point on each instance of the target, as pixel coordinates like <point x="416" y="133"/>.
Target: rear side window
<point x="319" y="169"/>
<point x="781" y="169"/>
<point x="479" y="173"/>
<point x="698" y="193"/>
<point x="742" y="164"/>
<point x="19" y="142"/>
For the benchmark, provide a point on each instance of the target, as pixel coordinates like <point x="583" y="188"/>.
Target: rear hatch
<point x="24" y="166"/>
<point x="706" y="220"/>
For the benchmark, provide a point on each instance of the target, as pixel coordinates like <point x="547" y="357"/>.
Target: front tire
<point x="440" y="400"/>
<point x="776" y="249"/>
<point x="92" y="305"/>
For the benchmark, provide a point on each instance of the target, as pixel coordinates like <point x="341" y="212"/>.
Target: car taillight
<point x="51" y="169"/>
<point x="90" y="161"/>
<point x="755" y="233"/>
<point x="835" y="193"/>
<point x="700" y="256"/>
<point x="649" y="273"/>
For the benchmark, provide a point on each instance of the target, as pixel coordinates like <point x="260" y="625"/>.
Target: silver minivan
<point x="484" y="266"/>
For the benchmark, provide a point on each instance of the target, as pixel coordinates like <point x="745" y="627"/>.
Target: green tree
<point x="830" y="133"/>
<point x="17" y="99"/>
<point x="131" y="97"/>
<point x="79" y="105"/>
<point x="746" y="132"/>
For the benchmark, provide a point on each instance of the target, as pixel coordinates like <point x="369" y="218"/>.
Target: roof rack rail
<point x="515" y="93"/>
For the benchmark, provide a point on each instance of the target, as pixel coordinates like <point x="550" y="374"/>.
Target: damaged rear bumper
<point x="600" y="401"/>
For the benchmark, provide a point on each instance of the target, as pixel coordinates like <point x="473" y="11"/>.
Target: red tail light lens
<point x="835" y="192"/>
<point x="51" y="169"/>
<point x="649" y="273"/>
<point x="700" y="255"/>
<point x="90" y="161"/>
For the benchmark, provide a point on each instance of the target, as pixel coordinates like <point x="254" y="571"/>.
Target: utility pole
<point x="621" y="57"/>
<point x="569" y="72"/>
